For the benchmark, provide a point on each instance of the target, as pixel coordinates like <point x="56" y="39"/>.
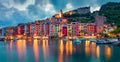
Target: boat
<point x="77" y="41"/>
<point x="116" y="42"/>
<point x="103" y="41"/>
<point x="92" y="40"/>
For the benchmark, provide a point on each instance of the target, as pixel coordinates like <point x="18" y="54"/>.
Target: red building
<point x="21" y="29"/>
<point x="64" y="31"/>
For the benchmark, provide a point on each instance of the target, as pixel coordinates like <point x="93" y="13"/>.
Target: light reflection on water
<point x="108" y="52"/>
<point x="36" y="50"/>
<point x="61" y="50"/>
<point x="98" y="51"/>
<point x="45" y="48"/>
<point x="21" y="48"/>
<point x="56" y="51"/>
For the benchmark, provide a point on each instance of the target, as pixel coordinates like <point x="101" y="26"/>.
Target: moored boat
<point x="103" y="41"/>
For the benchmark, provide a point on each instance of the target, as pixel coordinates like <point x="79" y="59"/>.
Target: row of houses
<point x="46" y="28"/>
<point x="50" y="29"/>
<point x="55" y="26"/>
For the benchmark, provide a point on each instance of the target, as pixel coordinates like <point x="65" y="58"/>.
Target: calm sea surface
<point x="57" y="51"/>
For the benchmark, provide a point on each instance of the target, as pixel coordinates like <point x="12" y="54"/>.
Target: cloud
<point x="18" y="5"/>
<point x="95" y="8"/>
<point x="41" y="10"/>
<point x="69" y="6"/>
<point x="8" y="14"/>
<point x="46" y="6"/>
<point x="13" y="12"/>
<point x="50" y="8"/>
<point x="20" y="1"/>
<point x="30" y="9"/>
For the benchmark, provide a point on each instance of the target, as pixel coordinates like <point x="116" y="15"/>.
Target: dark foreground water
<point x="57" y="51"/>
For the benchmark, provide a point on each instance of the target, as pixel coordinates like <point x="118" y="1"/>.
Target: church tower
<point x="61" y="14"/>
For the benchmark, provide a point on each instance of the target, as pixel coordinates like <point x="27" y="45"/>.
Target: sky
<point x="13" y="12"/>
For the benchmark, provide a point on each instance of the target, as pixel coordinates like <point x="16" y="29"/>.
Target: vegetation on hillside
<point x="116" y="31"/>
<point x="83" y="18"/>
<point x="112" y="11"/>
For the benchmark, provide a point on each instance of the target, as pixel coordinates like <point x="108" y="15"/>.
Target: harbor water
<point x="58" y="50"/>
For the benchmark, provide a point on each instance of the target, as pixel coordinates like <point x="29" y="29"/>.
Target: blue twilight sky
<point x="13" y="12"/>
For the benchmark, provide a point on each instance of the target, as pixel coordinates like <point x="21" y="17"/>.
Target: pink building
<point x="28" y="29"/>
<point x="37" y="28"/>
<point x="91" y="29"/>
<point x="99" y="20"/>
<point x="46" y="29"/>
<point x="77" y="29"/>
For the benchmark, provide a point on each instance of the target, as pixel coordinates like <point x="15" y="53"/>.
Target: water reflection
<point x="87" y="47"/>
<point x="98" y="51"/>
<point x="9" y="49"/>
<point x="57" y="51"/>
<point x="107" y="52"/>
<point x="21" y="48"/>
<point x="11" y="45"/>
<point x="69" y="47"/>
<point x="36" y="50"/>
<point x="45" y="47"/>
<point x="61" y="50"/>
<point x="91" y="49"/>
<point x="65" y="49"/>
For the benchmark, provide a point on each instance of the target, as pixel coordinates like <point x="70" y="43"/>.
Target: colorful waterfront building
<point x="22" y="29"/>
<point x="69" y="30"/>
<point x="59" y="30"/>
<point x="91" y="29"/>
<point x="56" y="29"/>
<point x="52" y="29"/>
<point x="28" y="29"/>
<point x="40" y="26"/>
<point x="64" y="30"/>
<point x="10" y="33"/>
<point x="99" y="21"/>
<point x="37" y="28"/>
<point x="46" y="28"/>
<point x="32" y="29"/>
<point x="75" y="29"/>
<point x="81" y="29"/>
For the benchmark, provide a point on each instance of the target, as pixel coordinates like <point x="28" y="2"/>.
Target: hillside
<point x="82" y="15"/>
<point x="112" y="11"/>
